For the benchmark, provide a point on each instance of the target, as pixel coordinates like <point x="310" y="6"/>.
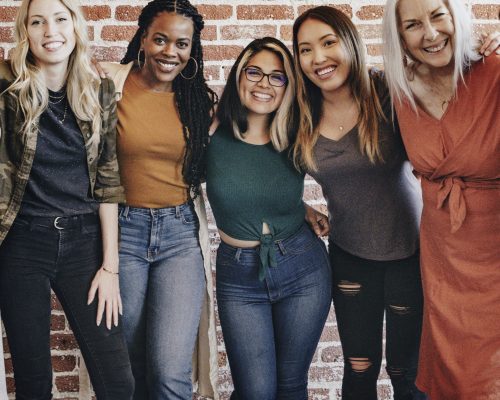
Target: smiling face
<point x="167" y="48"/>
<point x="262" y="97"/>
<point x="51" y="33"/>
<point x="321" y="55"/>
<point x="427" y="30"/>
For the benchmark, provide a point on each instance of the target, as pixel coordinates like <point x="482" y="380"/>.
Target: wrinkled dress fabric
<point x="458" y="160"/>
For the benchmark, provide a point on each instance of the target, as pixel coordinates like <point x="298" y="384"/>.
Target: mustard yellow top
<point x="150" y="146"/>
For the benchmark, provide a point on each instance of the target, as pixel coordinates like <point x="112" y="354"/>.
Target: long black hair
<point x="194" y="99"/>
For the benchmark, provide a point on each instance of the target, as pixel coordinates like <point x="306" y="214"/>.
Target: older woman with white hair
<point x="447" y="101"/>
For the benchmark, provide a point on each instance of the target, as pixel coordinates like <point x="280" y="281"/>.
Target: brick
<point x="96" y="13"/>
<point x="6" y="34"/>
<point x="11" y="386"/>
<point x="264" y="12"/>
<point x="318" y="394"/>
<point x="209" y="32"/>
<point x="370" y="31"/>
<point x="57" y="323"/>
<point x="8" y="366"/>
<point x="486" y="11"/>
<point x="212" y="72"/>
<point x="215" y="12"/>
<point x="117" y="33"/>
<point x="127" y="13"/>
<point x="63" y="341"/>
<point x="217" y="53"/>
<point x="113" y="53"/>
<point x="54" y="303"/>
<point x="90" y="32"/>
<point x="331" y="354"/>
<point x="63" y="363"/>
<point x="374" y="49"/>
<point x="330" y="334"/>
<point x="370" y="12"/>
<point x="8" y="14"/>
<point x="286" y="33"/>
<point x="68" y="383"/>
<point x="234" y="32"/>
<point x="486" y="28"/>
<point x="345" y="8"/>
<point x="323" y="374"/>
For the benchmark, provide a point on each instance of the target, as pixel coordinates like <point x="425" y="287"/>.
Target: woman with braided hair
<point x="164" y="113"/>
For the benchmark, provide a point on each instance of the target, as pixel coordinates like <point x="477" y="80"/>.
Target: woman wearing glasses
<point x="273" y="276"/>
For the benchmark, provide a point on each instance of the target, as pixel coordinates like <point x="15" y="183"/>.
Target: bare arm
<point x="106" y="282"/>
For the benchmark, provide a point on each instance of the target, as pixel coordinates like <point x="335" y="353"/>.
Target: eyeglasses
<point x="256" y="75"/>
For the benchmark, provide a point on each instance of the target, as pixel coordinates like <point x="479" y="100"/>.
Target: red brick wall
<point x="230" y="25"/>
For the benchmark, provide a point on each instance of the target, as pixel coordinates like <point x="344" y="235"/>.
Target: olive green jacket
<point x="17" y="152"/>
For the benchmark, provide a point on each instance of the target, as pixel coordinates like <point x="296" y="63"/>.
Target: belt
<point x="61" y="223"/>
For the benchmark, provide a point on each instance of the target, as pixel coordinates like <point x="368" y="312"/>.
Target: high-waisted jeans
<point x="35" y="257"/>
<point x="363" y="290"/>
<point x="271" y="328"/>
<point x="162" y="281"/>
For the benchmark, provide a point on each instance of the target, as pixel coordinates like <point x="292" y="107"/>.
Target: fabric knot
<point x="451" y="189"/>
<point x="267" y="254"/>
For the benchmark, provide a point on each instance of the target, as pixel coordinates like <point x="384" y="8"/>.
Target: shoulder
<point x="118" y="73"/>
<point x="106" y="91"/>
<point x="488" y="65"/>
<point x="6" y="75"/>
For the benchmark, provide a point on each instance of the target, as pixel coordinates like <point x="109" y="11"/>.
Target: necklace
<point x="56" y="98"/>
<point x="61" y="121"/>
<point x="348" y="113"/>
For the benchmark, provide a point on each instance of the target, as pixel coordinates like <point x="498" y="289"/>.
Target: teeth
<point x="262" y="96"/>
<point x="435" y="49"/>
<point x="326" y="71"/>
<point x="166" y="65"/>
<point x="53" y="45"/>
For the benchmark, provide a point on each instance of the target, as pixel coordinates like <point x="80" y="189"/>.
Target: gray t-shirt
<point x="374" y="208"/>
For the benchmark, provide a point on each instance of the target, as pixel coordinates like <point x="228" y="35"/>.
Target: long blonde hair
<point x="464" y="49"/>
<point x="29" y="88"/>
<point x="362" y="88"/>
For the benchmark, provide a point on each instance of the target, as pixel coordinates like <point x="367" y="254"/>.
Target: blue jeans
<point x="271" y="328"/>
<point x="162" y="283"/>
<point x="35" y="257"/>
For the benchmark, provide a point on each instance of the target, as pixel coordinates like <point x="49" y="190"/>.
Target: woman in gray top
<point x="350" y="145"/>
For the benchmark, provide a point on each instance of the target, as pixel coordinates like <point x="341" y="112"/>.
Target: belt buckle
<point x="56" y="221"/>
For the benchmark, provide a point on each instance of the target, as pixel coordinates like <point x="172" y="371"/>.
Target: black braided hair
<point x="194" y="99"/>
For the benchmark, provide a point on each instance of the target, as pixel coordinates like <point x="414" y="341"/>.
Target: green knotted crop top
<point x="248" y="185"/>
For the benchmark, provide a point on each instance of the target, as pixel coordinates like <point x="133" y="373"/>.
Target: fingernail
<point x="487" y="53"/>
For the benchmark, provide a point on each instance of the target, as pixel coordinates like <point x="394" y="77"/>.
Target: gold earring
<point x="195" y="72"/>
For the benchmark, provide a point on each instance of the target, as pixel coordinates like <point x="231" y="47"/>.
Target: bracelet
<point x="110" y="272"/>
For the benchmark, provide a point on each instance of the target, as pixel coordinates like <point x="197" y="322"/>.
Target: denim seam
<point x="91" y="350"/>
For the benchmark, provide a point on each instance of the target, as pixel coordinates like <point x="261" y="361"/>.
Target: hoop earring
<point x="195" y="72"/>
<point x="139" y="58"/>
<point x="405" y="61"/>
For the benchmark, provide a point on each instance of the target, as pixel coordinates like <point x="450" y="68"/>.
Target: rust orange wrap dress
<point x="458" y="159"/>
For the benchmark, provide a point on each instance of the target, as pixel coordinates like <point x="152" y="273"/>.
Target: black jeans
<point x="362" y="291"/>
<point x="35" y="257"/>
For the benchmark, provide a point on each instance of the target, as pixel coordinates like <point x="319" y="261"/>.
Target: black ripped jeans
<point x="363" y="290"/>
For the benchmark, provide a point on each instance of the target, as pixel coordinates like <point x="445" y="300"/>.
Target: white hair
<point x="464" y="48"/>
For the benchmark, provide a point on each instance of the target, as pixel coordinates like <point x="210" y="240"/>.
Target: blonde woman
<point x="58" y="214"/>
<point x="447" y="100"/>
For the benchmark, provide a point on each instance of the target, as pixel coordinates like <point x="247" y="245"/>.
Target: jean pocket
<point x="188" y="215"/>
<point x="301" y="245"/>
